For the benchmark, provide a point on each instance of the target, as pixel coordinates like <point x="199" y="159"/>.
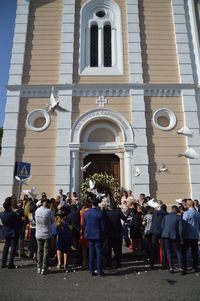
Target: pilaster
<point x="67" y="42"/>
<point x="140" y="155"/>
<point x="183" y="15"/>
<point x="75" y="170"/>
<point x="62" y="178"/>
<point x="134" y="41"/>
<point x="9" y="142"/>
<point x="138" y="120"/>
<point x="183" y="40"/>
<point x="192" y="122"/>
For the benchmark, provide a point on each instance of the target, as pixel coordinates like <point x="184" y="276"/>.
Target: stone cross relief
<point x="101" y="101"/>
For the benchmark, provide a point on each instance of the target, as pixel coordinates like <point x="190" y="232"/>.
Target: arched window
<point x="94" y="46"/>
<point x="107" y="46"/>
<point x="101" y="44"/>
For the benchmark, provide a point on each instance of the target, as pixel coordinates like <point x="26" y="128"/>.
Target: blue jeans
<point x="170" y="245"/>
<point x="126" y="234"/>
<point x="95" y="246"/>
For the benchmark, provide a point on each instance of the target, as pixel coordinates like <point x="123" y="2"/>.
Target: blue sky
<point x="7" y="21"/>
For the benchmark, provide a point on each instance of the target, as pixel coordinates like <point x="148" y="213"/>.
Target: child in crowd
<point x="63" y="236"/>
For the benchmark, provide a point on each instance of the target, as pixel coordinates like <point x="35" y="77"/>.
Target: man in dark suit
<point x="156" y="231"/>
<point x="196" y="205"/>
<point x="73" y="219"/>
<point x="94" y="227"/>
<point x="190" y="236"/>
<point x="114" y="234"/>
<point x="171" y="227"/>
<point x="10" y="221"/>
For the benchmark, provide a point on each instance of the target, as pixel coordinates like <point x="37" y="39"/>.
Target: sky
<point x="7" y="21"/>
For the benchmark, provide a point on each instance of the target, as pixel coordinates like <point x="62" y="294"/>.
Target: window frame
<point x="88" y="18"/>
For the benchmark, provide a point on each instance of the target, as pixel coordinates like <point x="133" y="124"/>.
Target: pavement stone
<point x="134" y="281"/>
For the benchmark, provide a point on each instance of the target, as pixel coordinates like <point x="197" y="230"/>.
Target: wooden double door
<point x="103" y="163"/>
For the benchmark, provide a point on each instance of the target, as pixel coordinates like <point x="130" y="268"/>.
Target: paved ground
<point x="134" y="281"/>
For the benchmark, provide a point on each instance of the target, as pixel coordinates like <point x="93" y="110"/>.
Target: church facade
<point x="123" y="78"/>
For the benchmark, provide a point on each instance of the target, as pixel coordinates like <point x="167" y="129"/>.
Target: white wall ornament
<point x="164" y="119"/>
<point x="163" y="168"/>
<point x="136" y="171"/>
<point x="38" y="120"/>
<point x="190" y="153"/>
<point x="54" y="103"/>
<point x="185" y="131"/>
<point x="101" y="101"/>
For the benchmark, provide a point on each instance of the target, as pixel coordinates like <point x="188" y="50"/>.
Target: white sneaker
<point x="44" y="271"/>
<point x="39" y="270"/>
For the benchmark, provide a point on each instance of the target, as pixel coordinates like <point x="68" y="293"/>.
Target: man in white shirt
<point x="43" y="218"/>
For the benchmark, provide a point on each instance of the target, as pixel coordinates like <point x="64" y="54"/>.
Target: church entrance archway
<point x="103" y="163"/>
<point x="103" y="134"/>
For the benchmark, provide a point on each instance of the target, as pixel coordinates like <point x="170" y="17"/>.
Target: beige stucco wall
<point x="82" y="105"/>
<point x="164" y="147"/>
<point x="42" y="57"/>
<point x="158" y="46"/>
<point x="37" y="148"/>
<point x="41" y="66"/>
<point x="101" y="79"/>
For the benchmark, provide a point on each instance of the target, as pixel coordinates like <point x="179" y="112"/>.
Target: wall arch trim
<point x="102" y="114"/>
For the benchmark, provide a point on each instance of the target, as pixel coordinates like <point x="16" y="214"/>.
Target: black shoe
<point x="195" y="270"/>
<point x="102" y="274"/>
<point x="183" y="272"/>
<point x="164" y="268"/>
<point x="93" y="274"/>
<point x="23" y="255"/>
<point x="12" y="266"/>
<point x="171" y="271"/>
<point x="3" y="266"/>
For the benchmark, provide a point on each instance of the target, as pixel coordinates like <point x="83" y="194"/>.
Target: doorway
<point x="103" y="163"/>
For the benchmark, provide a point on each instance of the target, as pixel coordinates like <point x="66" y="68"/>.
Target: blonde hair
<point x="27" y="207"/>
<point x="58" y="198"/>
<point x="58" y="220"/>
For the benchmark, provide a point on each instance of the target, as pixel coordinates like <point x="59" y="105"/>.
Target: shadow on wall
<point x="148" y="110"/>
<point x="145" y="66"/>
<point x="76" y="58"/>
<point x="151" y="149"/>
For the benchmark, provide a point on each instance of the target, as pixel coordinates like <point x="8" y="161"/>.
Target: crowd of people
<point x="97" y="228"/>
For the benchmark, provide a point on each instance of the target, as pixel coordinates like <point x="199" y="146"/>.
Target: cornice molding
<point x="93" y="90"/>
